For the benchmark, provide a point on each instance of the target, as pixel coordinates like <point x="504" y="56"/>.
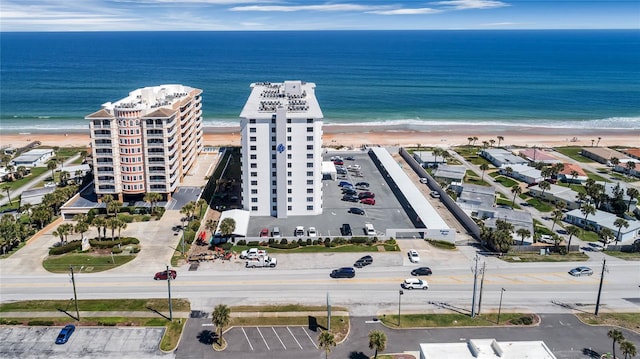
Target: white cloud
<point x="323" y="8"/>
<point x="416" y="11"/>
<point x="471" y="4"/>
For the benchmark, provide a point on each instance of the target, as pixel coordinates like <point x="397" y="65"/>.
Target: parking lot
<point x="386" y="213"/>
<point x="39" y="342"/>
<point x="274" y="339"/>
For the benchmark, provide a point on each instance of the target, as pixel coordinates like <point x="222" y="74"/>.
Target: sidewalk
<point x="151" y="314"/>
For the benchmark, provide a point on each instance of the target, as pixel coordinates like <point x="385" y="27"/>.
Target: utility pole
<point x="169" y="286"/>
<point x="75" y="295"/>
<point x="400" y="293"/>
<point x="475" y="286"/>
<point x="183" y="238"/>
<point x="484" y="266"/>
<point x="328" y="313"/>
<point x="604" y="268"/>
<point x="500" y="306"/>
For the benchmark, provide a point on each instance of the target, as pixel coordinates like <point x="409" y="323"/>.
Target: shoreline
<point x="353" y="135"/>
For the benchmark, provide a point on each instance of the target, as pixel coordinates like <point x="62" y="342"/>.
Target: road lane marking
<point x="265" y="342"/>
<point x="294" y="338"/>
<point x="248" y="341"/>
<point x="308" y="336"/>
<point x="277" y="336"/>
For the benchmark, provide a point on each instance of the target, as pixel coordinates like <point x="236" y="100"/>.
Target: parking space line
<point x="265" y="342"/>
<point x="245" y="335"/>
<point x="294" y="338"/>
<point x="277" y="336"/>
<point x="308" y="336"/>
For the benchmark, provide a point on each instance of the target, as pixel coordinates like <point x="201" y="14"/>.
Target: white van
<point x="275" y="233"/>
<point x="368" y="228"/>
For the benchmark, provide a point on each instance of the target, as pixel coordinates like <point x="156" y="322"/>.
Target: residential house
<point x="427" y="159"/>
<point x="519" y="219"/>
<point x="556" y="194"/>
<point x="472" y="197"/>
<point x="567" y="174"/>
<point x="632" y="152"/>
<point x="34" y="196"/>
<point x="502" y="158"/>
<point x="36" y="157"/>
<point x="523" y="173"/>
<point x="537" y="155"/>
<point x="449" y="174"/>
<point x="603" y="154"/>
<point x="602" y="219"/>
<point x="610" y="190"/>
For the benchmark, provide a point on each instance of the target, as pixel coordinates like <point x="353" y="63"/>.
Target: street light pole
<point x="75" y="295"/>
<point x="604" y="261"/>
<point x="475" y="286"/>
<point x="169" y="287"/>
<point x="183" y="238"/>
<point x="400" y="293"/>
<point x="484" y="265"/>
<point x="500" y="306"/>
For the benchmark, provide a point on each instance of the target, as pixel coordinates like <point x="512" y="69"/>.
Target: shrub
<point x="109" y="243"/>
<point x="315" y="242"/>
<point x="327" y="242"/>
<point x="390" y="241"/>
<point x="116" y="250"/>
<point x="271" y="241"/>
<point x="339" y="241"/>
<point x="309" y="241"/>
<point x="358" y="240"/>
<point x="127" y="218"/>
<point x="135" y="250"/>
<point x="146" y="218"/>
<point x="40" y="322"/>
<point x="242" y="242"/>
<point x="189" y="236"/>
<point x="251" y="243"/>
<point x="291" y="245"/>
<point x="441" y="244"/>
<point x="194" y="225"/>
<point x="69" y="247"/>
<point x="524" y="320"/>
<point x="226" y="246"/>
<point x="9" y="322"/>
<point x="284" y="241"/>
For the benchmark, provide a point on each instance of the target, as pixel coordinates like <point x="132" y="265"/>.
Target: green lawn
<point x="536" y="257"/>
<point x="588" y="236"/>
<point x="506" y="202"/>
<point x="574" y="153"/>
<point x="91" y="263"/>
<point x="635" y="256"/>
<point x="450" y="320"/>
<point x="35" y="172"/>
<point x="596" y="177"/>
<point x="283" y="308"/>
<point x="505" y="181"/>
<point x="540" y="205"/>
<point x="98" y="305"/>
<point x="630" y="321"/>
<point x="623" y="177"/>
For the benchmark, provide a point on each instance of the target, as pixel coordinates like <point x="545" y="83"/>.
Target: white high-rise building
<point x="147" y="141"/>
<point x="281" y="128"/>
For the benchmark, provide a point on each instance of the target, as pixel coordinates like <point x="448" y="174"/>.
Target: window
<point x="254" y="165"/>
<point x="288" y="120"/>
<point x="274" y="191"/>
<point x="273" y="183"/>
<point x="289" y="199"/>
<point x="309" y="199"/>
<point x="289" y="165"/>
<point x="289" y="174"/>
<point x="274" y="200"/>
<point x="273" y="148"/>
<point x="273" y="165"/>
<point x="254" y="208"/>
<point x="309" y="147"/>
<point x="289" y="182"/>
<point x="309" y="164"/>
<point x="254" y="191"/>
<point x="273" y="130"/>
<point x="252" y="139"/>
<point x="309" y="138"/>
<point x="252" y="148"/>
<point x="288" y="129"/>
<point x="252" y="130"/>
<point x="289" y="190"/>
<point x="254" y="200"/>
<point x="252" y="121"/>
<point x="309" y="208"/>
<point x="288" y="147"/>
<point x="309" y="173"/>
<point x="254" y="174"/>
<point x="309" y="181"/>
<point x="273" y="156"/>
<point x="289" y="208"/>
<point x="273" y="138"/>
<point x="273" y="174"/>
<point x="288" y="156"/>
<point x="309" y="190"/>
<point x="309" y="156"/>
<point x="309" y="120"/>
<point x="254" y="183"/>
<point x="289" y="138"/>
<point x="309" y="129"/>
<point x="274" y="208"/>
<point x="254" y="157"/>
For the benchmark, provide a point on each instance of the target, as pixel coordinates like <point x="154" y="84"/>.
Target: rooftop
<point x="570" y="167"/>
<point x="296" y="97"/>
<point x="446" y="171"/>
<point x="486" y="349"/>
<point x="537" y="155"/>
<point x="605" y="152"/>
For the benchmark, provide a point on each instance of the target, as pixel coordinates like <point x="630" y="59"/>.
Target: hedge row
<point x="109" y="243"/>
<point x="66" y="248"/>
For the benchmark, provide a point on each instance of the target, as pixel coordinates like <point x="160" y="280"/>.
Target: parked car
<point x="348" y="190"/>
<point x="362" y="184"/>
<point x="275" y="233"/>
<point x="312" y="232"/>
<point x="65" y="334"/>
<point x="164" y="275"/>
<point x="363" y="262"/>
<point x="370" y="201"/>
<point x="562" y="231"/>
<point x="424" y="180"/>
<point x="299" y="231"/>
<point x="580" y="271"/>
<point x="414" y="283"/>
<point x="350" y="198"/>
<point x="349" y="158"/>
<point x="421" y="271"/>
<point x="345" y="230"/>
<point x="366" y="195"/>
<point x="434" y="194"/>
<point x="414" y="257"/>
<point x="264" y="232"/>
<point x="338" y="162"/>
<point x="345" y="183"/>
<point x="344" y="272"/>
<point x="356" y="210"/>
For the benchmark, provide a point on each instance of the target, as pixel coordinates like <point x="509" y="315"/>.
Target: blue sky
<point x="255" y="15"/>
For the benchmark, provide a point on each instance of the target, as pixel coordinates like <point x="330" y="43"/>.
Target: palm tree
<point x="630" y="166"/>
<point x="544" y="185"/>
<point x="10" y="169"/>
<point x="326" y="340"/>
<point x="500" y="139"/>
<point x="633" y="194"/>
<point x="508" y="171"/>
<point x="210" y="225"/>
<point x="114" y="206"/>
<point x="188" y="209"/>
<point x="200" y="204"/>
<point x="7" y="189"/>
<point x="587" y="209"/>
<point x="220" y="318"/>
<point x="572" y="231"/>
<point x="98" y="222"/>
<point x="556" y="215"/>
<point x="436" y="152"/>
<point x="106" y="199"/>
<point x="620" y="222"/>
<point x="113" y="223"/>
<point x="523" y="233"/>
<point x="227" y="226"/>
<point x="598" y="143"/>
<point x="516" y="190"/>
<point x="470" y="139"/>
<point x="607" y="235"/>
<point x="617" y="337"/>
<point x="492" y="141"/>
<point x="628" y="349"/>
<point x="81" y="224"/>
<point x="485" y="144"/>
<point x="484" y="167"/>
<point x="52" y="165"/>
<point x="64" y="178"/>
<point x="152" y="198"/>
<point x="574" y="175"/>
<point x="377" y="341"/>
<point x="614" y="161"/>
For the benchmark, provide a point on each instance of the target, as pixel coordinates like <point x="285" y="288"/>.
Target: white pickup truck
<point x="264" y="261"/>
<point x="253" y="253"/>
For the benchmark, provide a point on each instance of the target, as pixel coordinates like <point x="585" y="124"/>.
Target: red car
<point x="368" y="201"/>
<point x="338" y="162"/>
<point x="264" y="232"/>
<point x="163" y="275"/>
<point x="367" y="195"/>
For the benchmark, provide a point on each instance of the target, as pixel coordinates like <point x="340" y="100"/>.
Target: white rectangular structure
<point x="147" y="141"/>
<point x="281" y="138"/>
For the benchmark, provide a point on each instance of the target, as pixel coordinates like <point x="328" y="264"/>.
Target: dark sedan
<point x="350" y="198"/>
<point x="356" y="210"/>
<point x="363" y="262"/>
<point x="421" y="271"/>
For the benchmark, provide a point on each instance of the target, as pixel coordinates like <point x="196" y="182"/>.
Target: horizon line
<point x="326" y="30"/>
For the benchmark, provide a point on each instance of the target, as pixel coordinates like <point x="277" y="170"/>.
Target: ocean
<point x="566" y="79"/>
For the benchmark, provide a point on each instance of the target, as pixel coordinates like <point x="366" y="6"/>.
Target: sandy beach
<point x="356" y="136"/>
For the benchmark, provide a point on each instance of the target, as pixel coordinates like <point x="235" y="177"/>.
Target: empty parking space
<point x="271" y="339"/>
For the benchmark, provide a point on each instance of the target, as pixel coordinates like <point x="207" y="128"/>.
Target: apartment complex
<point x="281" y="129"/>
<point x="147" y="141"/>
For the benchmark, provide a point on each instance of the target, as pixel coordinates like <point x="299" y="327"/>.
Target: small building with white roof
<point x="519" y="219"/>
<point x="502" y="158"/>
<point x="602" y="219"/>
<point x="486" y="349"/>
<point x="556" y="194"/>
<point x="36" y="157"/>
<point x="537" y="155"/>
<point x="449" y="174"/>
<point x="523" y="173"/>
<point x="473" y="197"/>
<point x="427" y="159"/>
